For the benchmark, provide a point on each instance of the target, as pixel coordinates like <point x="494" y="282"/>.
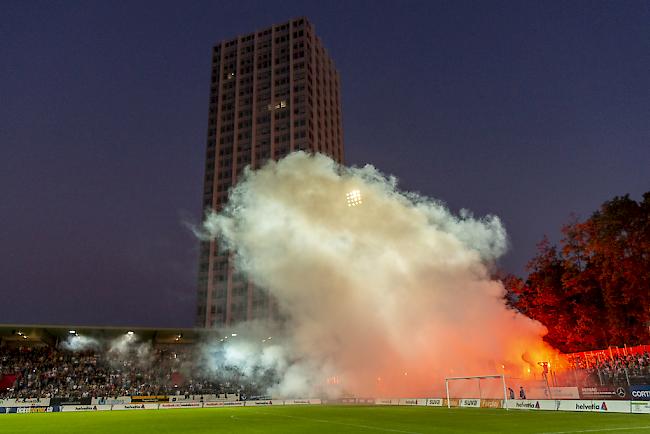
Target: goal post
<point x="478" y="378"/>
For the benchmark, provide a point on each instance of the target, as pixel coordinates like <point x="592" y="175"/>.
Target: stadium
<point x="153" y="384"/>
<point x="474" y="259"/>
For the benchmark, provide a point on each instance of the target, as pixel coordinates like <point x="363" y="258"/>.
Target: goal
<point x="472" y="386"/>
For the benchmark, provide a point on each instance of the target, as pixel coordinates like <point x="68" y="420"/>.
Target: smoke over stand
<point x="383" y="292"/>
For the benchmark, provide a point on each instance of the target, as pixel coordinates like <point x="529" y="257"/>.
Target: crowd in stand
<point x="605" y="368"/>
<point x="47" y="372"/>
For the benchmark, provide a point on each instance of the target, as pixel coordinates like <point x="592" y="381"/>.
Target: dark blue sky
<point x="529" y="110"/>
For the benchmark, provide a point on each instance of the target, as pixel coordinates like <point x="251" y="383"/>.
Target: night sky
<point x="529" y="110"/>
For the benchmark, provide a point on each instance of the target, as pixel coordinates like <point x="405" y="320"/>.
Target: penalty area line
<point x="596" y="430"/>
<point x="376" y="428"/>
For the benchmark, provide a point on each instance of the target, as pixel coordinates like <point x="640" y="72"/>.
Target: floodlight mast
<point x="479" y="378"/>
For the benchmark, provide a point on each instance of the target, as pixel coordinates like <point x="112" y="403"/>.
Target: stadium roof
<point x="51" y="334"/>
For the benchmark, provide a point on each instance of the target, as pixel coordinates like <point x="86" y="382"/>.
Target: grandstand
<point x="86" y="369"/>
<point x="81" y="363"/>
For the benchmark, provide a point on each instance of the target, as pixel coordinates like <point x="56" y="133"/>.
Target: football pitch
<point x="324" y="419"/>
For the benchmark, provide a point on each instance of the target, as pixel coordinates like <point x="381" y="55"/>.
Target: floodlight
<point x="353" y="198"/>
<point x="72" y="332"/>
<point x="129" y="333"/>
<point x="233" y="334"/>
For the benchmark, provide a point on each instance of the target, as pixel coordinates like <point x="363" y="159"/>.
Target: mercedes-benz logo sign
<point x="621" y="392"/>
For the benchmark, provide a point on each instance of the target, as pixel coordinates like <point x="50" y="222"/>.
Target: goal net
<point x="476" y="391"/>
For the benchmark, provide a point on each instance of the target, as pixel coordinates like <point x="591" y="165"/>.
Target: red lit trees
<point x="594" y="291"/>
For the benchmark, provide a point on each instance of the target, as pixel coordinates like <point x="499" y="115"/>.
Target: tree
<point x="594" y="291"/>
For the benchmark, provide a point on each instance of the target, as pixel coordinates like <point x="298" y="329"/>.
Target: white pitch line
<point x="596" y="430"/>
<point x="376" y="428"/>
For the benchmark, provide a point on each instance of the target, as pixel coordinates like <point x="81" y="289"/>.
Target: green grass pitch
<point x="324" y="419"/>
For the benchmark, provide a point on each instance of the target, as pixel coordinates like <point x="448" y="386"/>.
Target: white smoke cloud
<point x="126" y="347"/>
<point x="80" y="343"/>
<point x="385" y="297"/>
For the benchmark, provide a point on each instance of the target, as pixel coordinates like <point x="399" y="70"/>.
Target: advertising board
<point x="66" y="408"/>
<point x="221" y="404"/>
<point x="185" y="404"/>
<point x="387" y="401"/>
<point x="640" y="407"/>
<point x="150" y="398"/>
<point x="640" y="392"/>
<point x="263" y="403"/>
<point x="568" y="392"/>
<point x="491" y="403"/>
<point x="412" y="401"/>
<point x="139" y="406"/>
<point x="614" y="406"/>
<point x="368" y="401"/>
<point x="27" y="402"/>
<point x="598" y="393"/>
<point x="602" y="406"/>
<point x="297" y="402"/>
<point x="111" y="400"/>
<point x="434" y="402"/>
<point x="452" y="402"/>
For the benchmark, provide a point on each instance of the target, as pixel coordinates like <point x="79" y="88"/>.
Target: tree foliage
<point x="593" y="290"/>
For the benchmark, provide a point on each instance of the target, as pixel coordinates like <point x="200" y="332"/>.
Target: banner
<point x="604" y="393"/>
<point x="213" y="404"/>
<point x="615" y="406"/>
<point x="70" y="401"/>
<point x="111" y="401"/>
<point x="601" y="406"/>
<point x="523" y="404"/>
<point x="568" y="392"/>
<point x="156" y="398"/>
<point x="25" y="402"/>
<point x="470" y="402"/>
<point x="369" y="401"/>
<point x="412" y="401"/>
<point x="66" y="408"/>
<point x="635" y="406"/>
<point x="640" y="392"/>
<point x="533" y="404"/>
<point x="135" y="407"/>
<point x="491" y="403"/>
<point x="453" y="402"/>
<point x="38" y="409"/>
<point x="43" y="402"/>
<point x="207" y="397"/>
<point x="434" y="402"/>
<point x="13" y="410"/>
<point x="387" y="401"/>
<point x="265" y="402"/>
<point x="297" y="402"/>
<point x="167" y="405"/>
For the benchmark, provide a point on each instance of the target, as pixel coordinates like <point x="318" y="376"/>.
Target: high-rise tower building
<point x="272" y="92"/>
